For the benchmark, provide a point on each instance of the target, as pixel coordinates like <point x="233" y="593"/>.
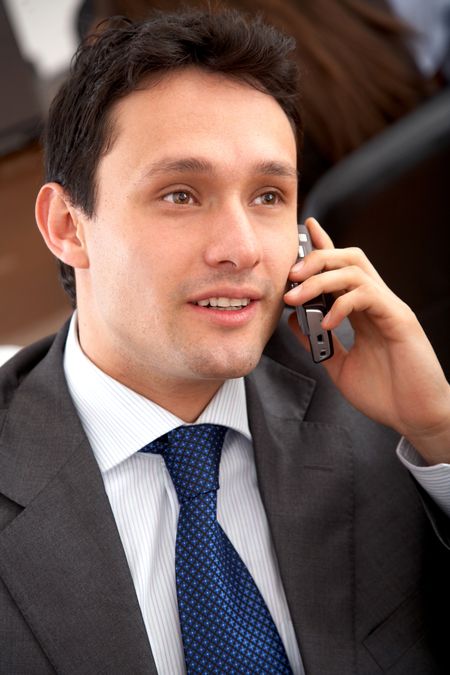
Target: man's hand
<point x="391" y="372"/>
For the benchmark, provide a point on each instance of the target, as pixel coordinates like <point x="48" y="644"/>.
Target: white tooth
<point x="224" y="303"/>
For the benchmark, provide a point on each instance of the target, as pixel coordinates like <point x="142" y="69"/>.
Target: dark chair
<point x="391" y="197"/>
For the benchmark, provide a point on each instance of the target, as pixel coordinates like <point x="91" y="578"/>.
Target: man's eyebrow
<point x="282" y="169"/>
<point x="198" y="165"/>
<point x="179" y="165"/>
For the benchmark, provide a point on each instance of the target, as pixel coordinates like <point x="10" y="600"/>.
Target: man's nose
<point x="233" y="239"/>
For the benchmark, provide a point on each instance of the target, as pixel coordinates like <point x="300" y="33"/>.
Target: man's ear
<point x="61" y="226"/>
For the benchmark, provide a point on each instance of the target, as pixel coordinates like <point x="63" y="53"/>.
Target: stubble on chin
<point x="223" y="360"/>
<point x="225" y="367"/>
<point x="211" y="358"/>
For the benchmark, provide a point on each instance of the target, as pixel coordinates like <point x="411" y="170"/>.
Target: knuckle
<point x="355" y="275"/>
<point x="368" y="288"/>
<point x="341" y="301"/>
<point x="355" y="269"/>
<point x="314" y="257"/>
<point x="357" y="253"/>
<point x="407" y="314"/>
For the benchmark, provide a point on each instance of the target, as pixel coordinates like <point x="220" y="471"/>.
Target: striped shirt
<point x="118" y="422"/>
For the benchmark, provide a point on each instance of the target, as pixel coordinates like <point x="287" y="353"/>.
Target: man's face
<point x="194" y="232"/>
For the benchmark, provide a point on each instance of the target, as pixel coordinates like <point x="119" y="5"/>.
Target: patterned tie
<point x="225" y="624"/>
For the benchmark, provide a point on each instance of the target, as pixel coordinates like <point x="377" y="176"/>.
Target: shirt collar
<point x="118" y="422"/>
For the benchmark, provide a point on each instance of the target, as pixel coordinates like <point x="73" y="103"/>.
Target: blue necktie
<point x="225" y="624"/>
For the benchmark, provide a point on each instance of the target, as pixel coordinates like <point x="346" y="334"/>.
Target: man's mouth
<point x="224" y="303"/>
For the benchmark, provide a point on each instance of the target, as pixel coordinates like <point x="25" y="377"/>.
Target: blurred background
<point x="37" y="40"/>
<point x="375" y="152"/>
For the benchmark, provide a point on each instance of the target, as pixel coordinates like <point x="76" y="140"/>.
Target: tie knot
<point x="192" y="456"/>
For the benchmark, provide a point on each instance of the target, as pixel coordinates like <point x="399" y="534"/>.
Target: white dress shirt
<point x="434" y="479"/>
<point x="118" y="423"/>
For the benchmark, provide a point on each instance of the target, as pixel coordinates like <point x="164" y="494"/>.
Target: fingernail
<point x="298" y="266"/>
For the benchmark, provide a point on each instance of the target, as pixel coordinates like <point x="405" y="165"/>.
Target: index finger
<point x="319" y="237"/>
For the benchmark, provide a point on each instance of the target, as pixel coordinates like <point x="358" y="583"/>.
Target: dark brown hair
<point x="358" y="75"/>
<point x="118" y="59"/>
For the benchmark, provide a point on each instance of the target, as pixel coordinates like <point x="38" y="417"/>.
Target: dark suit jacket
<point x="363" y="569"/>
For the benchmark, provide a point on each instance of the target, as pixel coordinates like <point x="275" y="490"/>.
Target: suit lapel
<point x="61" y="558"/>
<point x="305" y="478"/>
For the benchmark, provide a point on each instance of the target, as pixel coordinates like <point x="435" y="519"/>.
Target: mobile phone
<point x="310" y="314"/>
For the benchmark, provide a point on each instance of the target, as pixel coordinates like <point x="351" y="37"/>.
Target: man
<point x="172" y="181"/>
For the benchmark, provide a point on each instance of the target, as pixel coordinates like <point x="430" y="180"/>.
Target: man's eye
<point x="179" y="197"/>
<point x="268" y="199"/>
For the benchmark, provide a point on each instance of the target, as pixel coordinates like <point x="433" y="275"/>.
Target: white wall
<point x="45" y="31"/>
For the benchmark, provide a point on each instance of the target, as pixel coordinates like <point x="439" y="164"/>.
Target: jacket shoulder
<point x="17" y="368"/>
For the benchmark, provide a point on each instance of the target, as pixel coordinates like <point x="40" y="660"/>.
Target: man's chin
<point x="226" y="355"/>
<point x="225" y="366"/>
